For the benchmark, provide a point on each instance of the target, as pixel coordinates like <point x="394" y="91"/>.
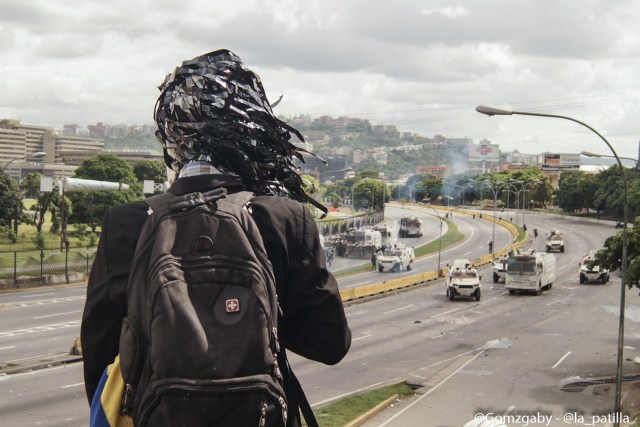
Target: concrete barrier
<point x="390" y="285"/>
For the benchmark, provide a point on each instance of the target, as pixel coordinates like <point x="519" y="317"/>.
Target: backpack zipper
<point x="144" y="411"/>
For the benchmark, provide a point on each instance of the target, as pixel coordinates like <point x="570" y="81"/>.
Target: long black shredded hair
<point x="213" y="108"/>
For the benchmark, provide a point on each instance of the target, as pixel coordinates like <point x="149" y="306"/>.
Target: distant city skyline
<point x="421" y="65"/>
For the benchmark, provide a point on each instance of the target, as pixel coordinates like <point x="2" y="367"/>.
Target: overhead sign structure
<point x="484" y="152"/>
<point x="561" y="161"/>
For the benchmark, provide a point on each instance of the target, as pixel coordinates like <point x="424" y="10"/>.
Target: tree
<point x="370" y="193"/>
<point x="432" y="187"/>
<point x="611" y="255"/>
<point x="30" y="185"/>
<point x="369" y="173"/>
<point x="90" y="207"/>
<point x="153" y="170"/>
<point x="570" y="196"/>
<point x="45" y="201"/>
<point x="11" y="206"/>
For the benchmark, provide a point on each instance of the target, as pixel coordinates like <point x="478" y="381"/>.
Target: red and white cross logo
<point x="233" y="305"/>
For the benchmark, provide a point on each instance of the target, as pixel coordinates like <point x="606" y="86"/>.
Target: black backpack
<point x="199" y="345"/>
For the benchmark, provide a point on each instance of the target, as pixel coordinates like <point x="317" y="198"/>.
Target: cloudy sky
<point x="421" y="65"/>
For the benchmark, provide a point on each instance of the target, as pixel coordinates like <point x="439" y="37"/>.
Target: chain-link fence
<point x="20" y="266"/>
<point x="38" y="264"/>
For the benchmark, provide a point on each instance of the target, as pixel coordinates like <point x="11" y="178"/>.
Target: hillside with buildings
<point x="344" y="142"/>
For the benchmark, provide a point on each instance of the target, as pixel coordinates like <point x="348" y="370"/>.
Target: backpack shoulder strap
<point x="167" y="202"/>
<point x="241" y="198"/>
<point x="300" y="397"/>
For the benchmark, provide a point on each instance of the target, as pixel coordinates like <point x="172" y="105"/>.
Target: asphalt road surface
<point x="505" y="353"/>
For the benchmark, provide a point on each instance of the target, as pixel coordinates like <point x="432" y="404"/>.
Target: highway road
<point x="517" y="348"/>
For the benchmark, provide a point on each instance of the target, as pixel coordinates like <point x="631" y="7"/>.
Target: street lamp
<point x="590" y="154"/>
<point x="510" y="182"/>
<point x="524" y="197"/>
<point x="461" y="192"/>
<point x="491" y="111"/>
<point x="516" y="193"/>
<point x="495" y="190"/>
<point x="36" y="155"/>
<point x="440" y="238"/>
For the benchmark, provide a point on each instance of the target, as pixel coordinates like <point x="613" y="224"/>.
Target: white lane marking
<point x="418" y="400"/>
<point x="8" y="347"/>
<point x="72" y="385"/>
<point x="359" y="338"/>
<point x="398" y="309"/>
<point x="57" y="314"/>
<point x="38" y="295"/>
<point x="444" y="312"/>
<point x="44" y="328"/>
<point x="11" y="305"/>
<point x="358" y="284"/>
<point x="561" y="359"/>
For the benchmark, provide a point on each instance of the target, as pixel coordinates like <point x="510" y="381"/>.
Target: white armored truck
<point x="531" y="273"/>
<point x="591" y="272"/>
<point x="555" y="242"/>
<point x="410" y="226"/>
<point x="398" y="258"/>
<point x="463" y="281"/>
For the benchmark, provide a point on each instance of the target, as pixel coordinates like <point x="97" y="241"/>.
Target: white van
<point x="533" y="272"/>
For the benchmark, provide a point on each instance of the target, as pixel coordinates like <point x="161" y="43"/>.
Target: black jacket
<point x="313" y="325"/>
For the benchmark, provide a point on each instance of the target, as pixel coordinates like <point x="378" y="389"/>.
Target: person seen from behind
<point x="217" y="129"/>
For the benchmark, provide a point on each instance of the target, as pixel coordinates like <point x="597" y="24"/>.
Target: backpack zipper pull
<point x="274" y="331"/>
<point x="283" y="404"/>
<point x="263" y="415"/>
<point x="126" y="408"/>
<point x="276" y="368"/>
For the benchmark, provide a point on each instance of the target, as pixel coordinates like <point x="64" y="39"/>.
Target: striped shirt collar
<point x="198" y="167"/>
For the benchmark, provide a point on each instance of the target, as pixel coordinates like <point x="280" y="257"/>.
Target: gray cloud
<point x="422" y="65"/>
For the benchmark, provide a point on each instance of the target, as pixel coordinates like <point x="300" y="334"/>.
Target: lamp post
<point x="495" y="190"/>
<point x="516" y="193"/>
<point x="461" y="192"/>
<point x="439" y="238"/>
<point x="491" y="111"/>
<point x="36" y="155"/>
<point x="590" y="154"/>
<point x="524" y="197"/>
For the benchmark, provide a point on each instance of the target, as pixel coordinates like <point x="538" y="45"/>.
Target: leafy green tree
<point x="611" y="254"/>
<point x="11" y="206"/>
<point x="370" y="193"/>
<point x="433" y="188"/>
<point x="39" y="241"/>
<point x="154" y="170"/>
<point x="89" y="207"/>
<point x="45" y="202"/>
<point x="337" y="190"/>
<point x="610" y="195"/>
<point x="570" y="197"/>
<point x="369" y="173"/>
<point x="335" y="199"/>
<point x="540" y="194"/>
<point x="30" y="185"/>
